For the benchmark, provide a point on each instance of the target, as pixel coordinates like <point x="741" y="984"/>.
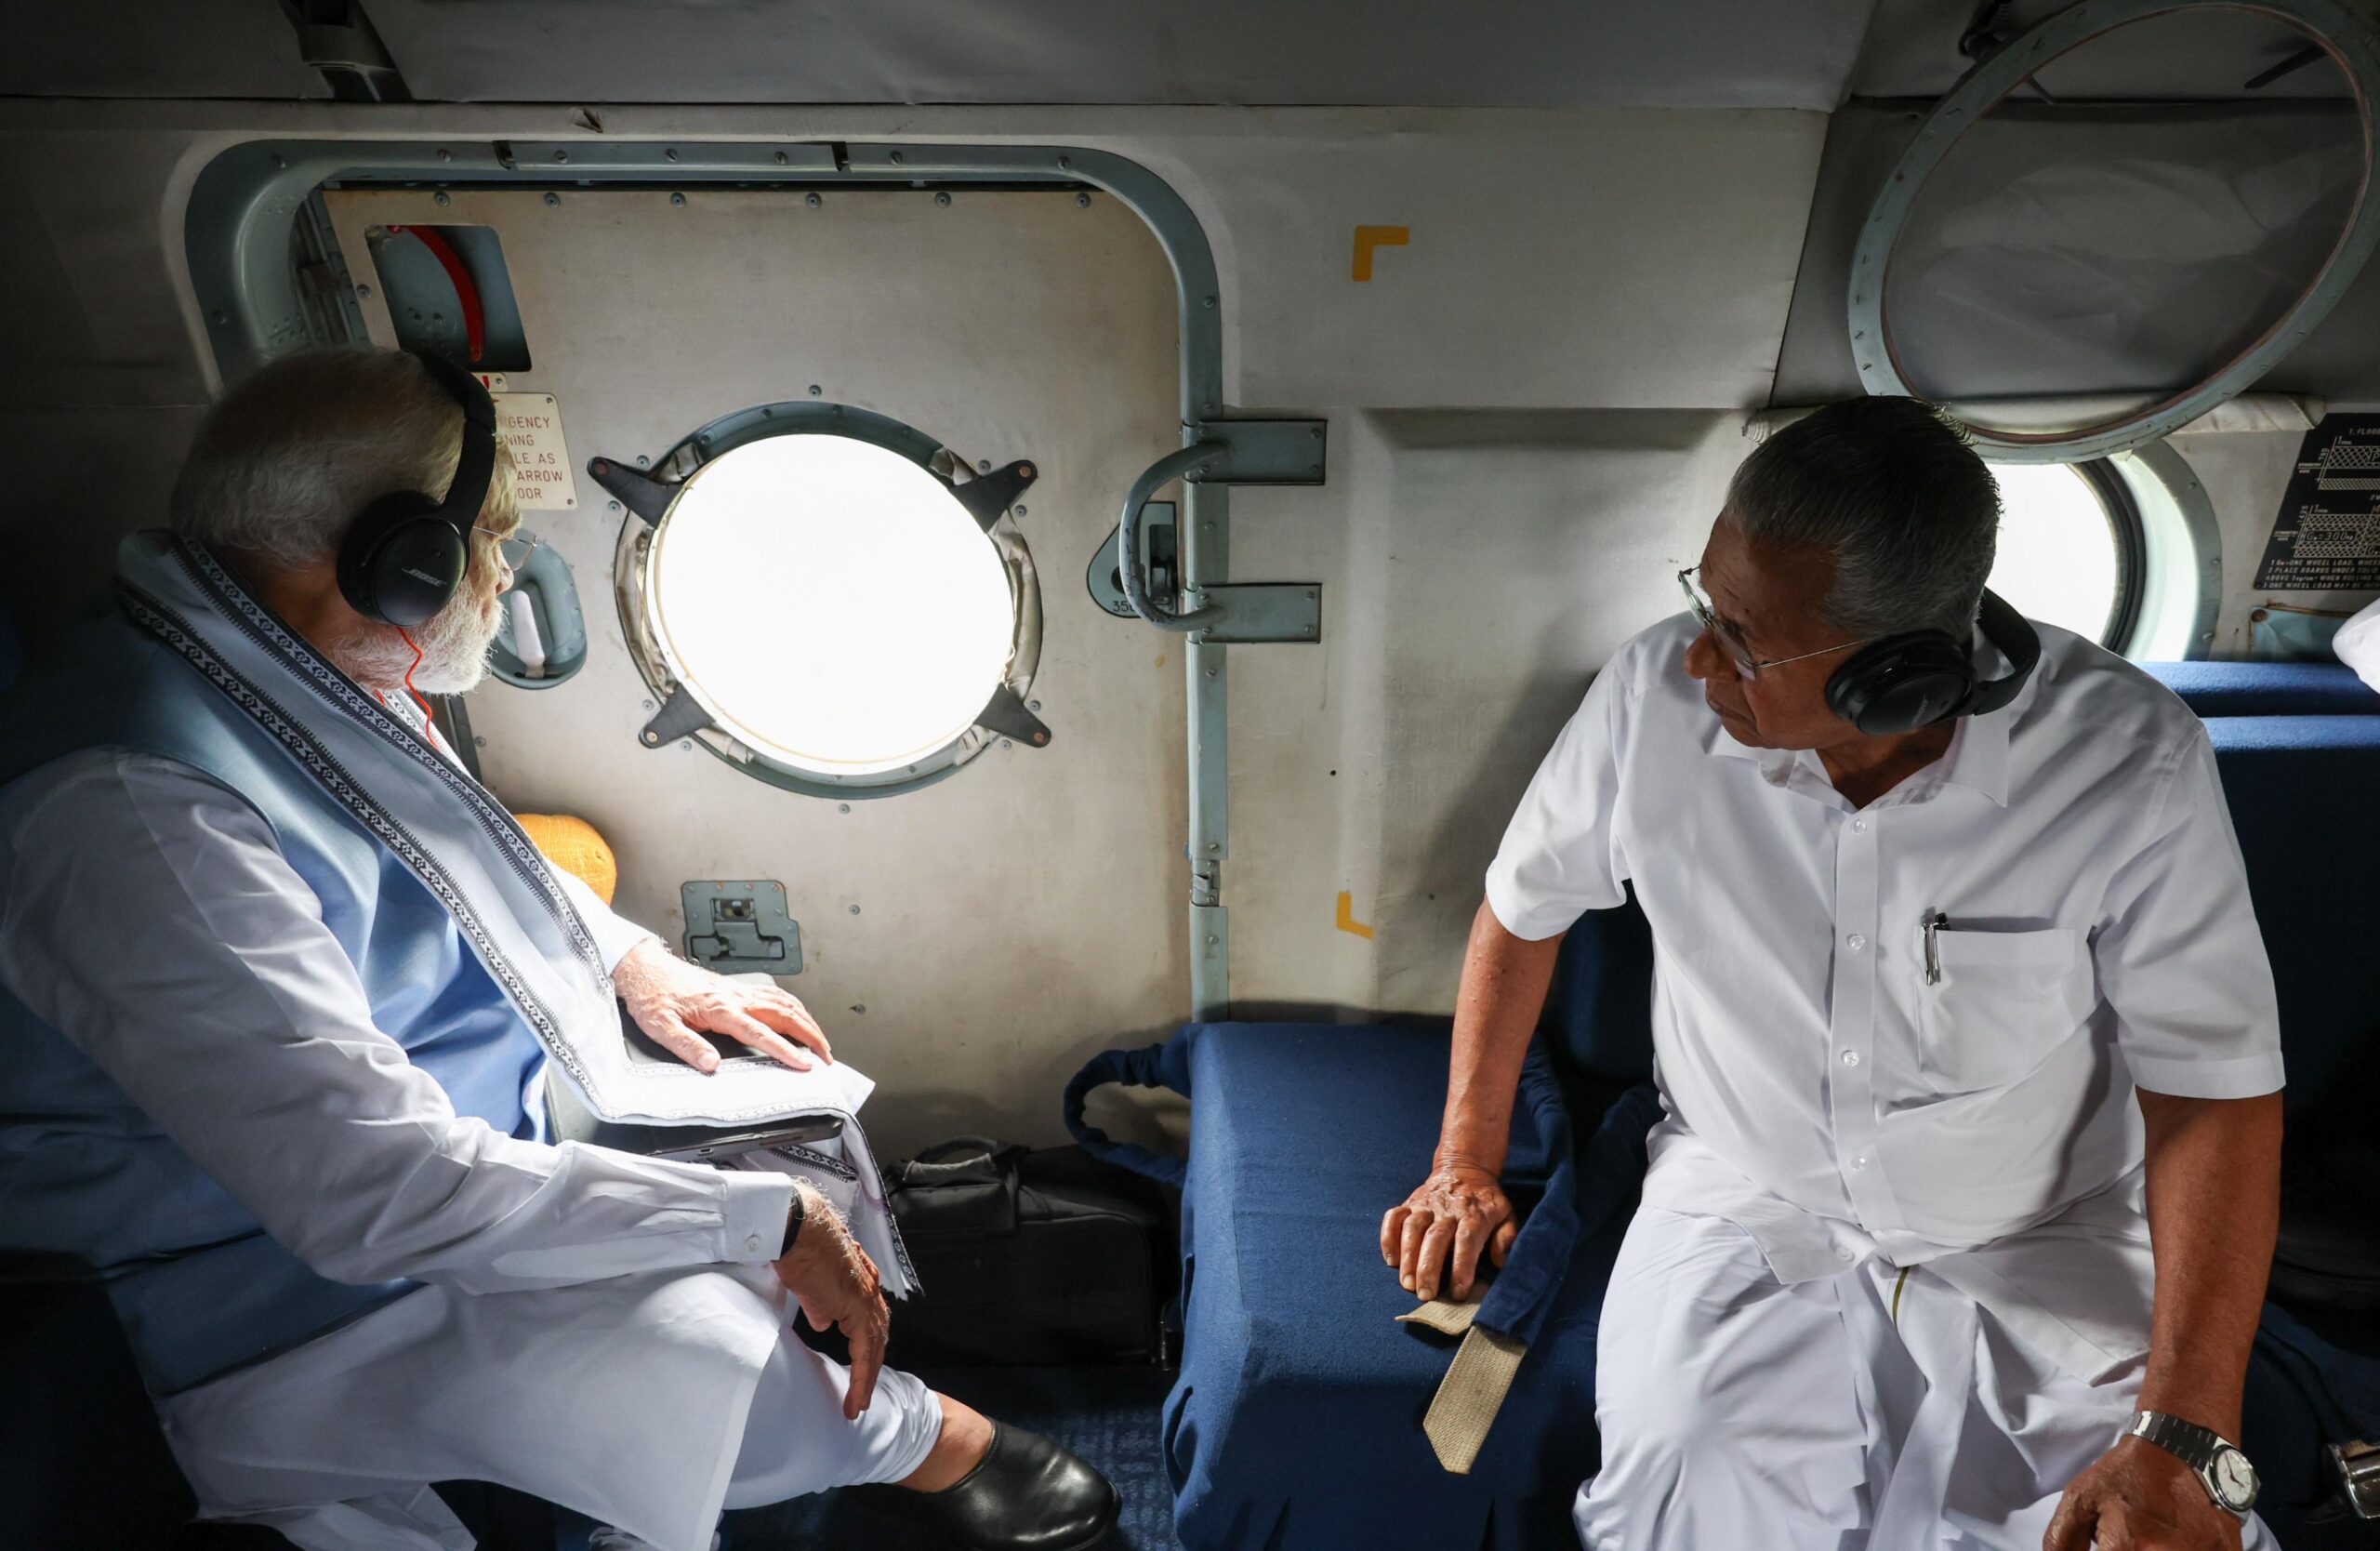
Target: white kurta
<point x="1845" y="1101"/>
<point x="595" y="1322"/>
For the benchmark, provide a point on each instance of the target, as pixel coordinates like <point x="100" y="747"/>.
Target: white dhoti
<point x="647" y="1401"/>
<point x="1876" y="1409"/>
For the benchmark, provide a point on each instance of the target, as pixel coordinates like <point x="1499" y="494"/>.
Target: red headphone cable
<point x="426" y="713"/>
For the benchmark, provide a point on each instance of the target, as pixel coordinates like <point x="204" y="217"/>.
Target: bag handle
<point x="981" y="1160"/>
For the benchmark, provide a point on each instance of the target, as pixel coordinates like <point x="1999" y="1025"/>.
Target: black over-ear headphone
<point x="403" y="557"/>
<point x="1905" y="681"/>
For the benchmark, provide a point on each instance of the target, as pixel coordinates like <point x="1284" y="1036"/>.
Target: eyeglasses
<point x="1746" y="664"/>
<point x="514" y="547"/>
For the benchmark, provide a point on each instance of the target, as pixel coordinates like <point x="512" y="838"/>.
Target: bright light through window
<point x="2057" y="558"/>
<point x="830" y="603"/>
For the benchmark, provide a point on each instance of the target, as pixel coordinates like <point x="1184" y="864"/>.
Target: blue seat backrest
<point x="2302" y="790"/>
<point x="2267" y="688"/>
<point x="1599" y="1013"/>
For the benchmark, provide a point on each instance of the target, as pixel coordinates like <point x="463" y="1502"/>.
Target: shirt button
<point x="1858" y="941"/>
<point x="752" y="1244"/>
<point x="1844" y="1256"/>
<point x="1858" y="826"/>
<point x="1850" y="1057"/>
<point x="1860" y="1161"/>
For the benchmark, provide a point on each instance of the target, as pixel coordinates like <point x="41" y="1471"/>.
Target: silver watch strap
<point x="2186" y="1442"/>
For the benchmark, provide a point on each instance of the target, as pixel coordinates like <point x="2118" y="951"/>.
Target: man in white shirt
<point x="1962" y="1027"/>
<point x="291" y="1114"/>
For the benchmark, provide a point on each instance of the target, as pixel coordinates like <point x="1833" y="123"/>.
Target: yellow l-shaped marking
<point x="1370" y="237"/>
<point x="1348" y="922"/>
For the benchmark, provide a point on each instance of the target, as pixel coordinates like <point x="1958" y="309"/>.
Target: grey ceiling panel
<point x="1550" y="53"/>
<point x="154" y="49"/>
<point x="1913" y="50"/>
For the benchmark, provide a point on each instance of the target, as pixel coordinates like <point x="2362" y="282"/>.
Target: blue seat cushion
<point x="2267" y="688"/>
<point x="1296" y="1422"/>
<point x="2301" y="791"/>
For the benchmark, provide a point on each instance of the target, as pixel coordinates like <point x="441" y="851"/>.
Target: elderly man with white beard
<point x="298" y="1128"/>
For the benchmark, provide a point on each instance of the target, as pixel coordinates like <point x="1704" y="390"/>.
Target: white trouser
<point x="1872" y="1411"/>
<point x="644" y="1401"/>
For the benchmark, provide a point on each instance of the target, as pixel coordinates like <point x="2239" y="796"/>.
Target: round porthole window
<point x="824" y="602"/>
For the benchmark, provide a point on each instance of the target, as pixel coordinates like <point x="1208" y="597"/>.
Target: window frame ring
<point x="741" y="428"/>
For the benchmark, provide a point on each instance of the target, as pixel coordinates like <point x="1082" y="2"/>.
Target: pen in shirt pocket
<point x="1932" y="922"/>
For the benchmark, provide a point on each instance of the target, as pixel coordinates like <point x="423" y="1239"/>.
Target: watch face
<point x="2235" y="1478"/>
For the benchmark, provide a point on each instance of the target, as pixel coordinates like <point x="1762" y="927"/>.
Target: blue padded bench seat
<point x="1296" y="1419"/>
<point x="2267" y="688"/>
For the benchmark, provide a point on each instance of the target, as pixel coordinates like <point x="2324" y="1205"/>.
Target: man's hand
<point x="2138" y="1497"/>
<point x="1457" y="1208"/>
<point x="670" y="999"/>
<point x="837" y="1285"/>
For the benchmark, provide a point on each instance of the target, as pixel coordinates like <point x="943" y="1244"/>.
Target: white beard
<point x="453" y="644"/>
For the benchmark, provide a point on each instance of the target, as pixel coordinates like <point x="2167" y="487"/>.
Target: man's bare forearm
<point x="2213" y="1173"/>
<point x="1504" y="981"/>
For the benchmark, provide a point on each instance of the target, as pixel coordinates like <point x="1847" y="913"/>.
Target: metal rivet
<point x="813" y="390"/>
<point x="1312" y="593"/>
<point x="648" y="705"/>
<point x="1020" y="509"/>
<point x="365" y="292"/>
<point x="444" y="154"/>
<point x="842" y="807"/>
<point x="1006" y="744"/>
<point x="855" y="909"/>
<point x="1208" y="304"/>
<point x="562" y="155"/>
<point x="1214" y="845"/>
<point x="943" y="200"/>
<point x="1066" y="161"/>
<point x="440" y="198"/>
<point x="1211" y="672"/>
<point x="1212" y="941"/>
<point x="782" y="158"/>
<point x="813" y="201"/>
<point x="686" y="744"/>
<point x="982" y="465"/>
<point x="677" y="199"/>
<point x="479" y="743"/>
<point x="613" y="506"/>
<point x="643" y="461"/>
<point x="859" y="1006"/>
<point x="897" y="158"/>
<point x="1033" y="705"/>
<point x="1083" y="201"/>
<point x="669" y="154"/>
<point x="652" y="737"/>
<point x="553" y="199"/>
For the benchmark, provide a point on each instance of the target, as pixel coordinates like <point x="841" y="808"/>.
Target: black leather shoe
<point x="1025" y="1494"/>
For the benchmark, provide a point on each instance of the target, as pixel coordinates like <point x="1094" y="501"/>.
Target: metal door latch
<point x="740" y="927"/>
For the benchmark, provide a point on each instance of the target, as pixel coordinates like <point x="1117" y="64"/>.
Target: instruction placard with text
<point x="2327" y="538"/>
<point x="531" y="426"/>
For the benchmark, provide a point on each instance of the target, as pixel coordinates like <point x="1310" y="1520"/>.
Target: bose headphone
<point x="403" y="557"/>
<point x="1905" y="681"/>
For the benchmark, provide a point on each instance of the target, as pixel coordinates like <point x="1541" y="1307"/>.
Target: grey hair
<point x="1890" y="488"/>
<point x="294" y="452"/>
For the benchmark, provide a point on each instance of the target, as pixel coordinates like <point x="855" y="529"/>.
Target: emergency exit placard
<point x="531" y="426"/>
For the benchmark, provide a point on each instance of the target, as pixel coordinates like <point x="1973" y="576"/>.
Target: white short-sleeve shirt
<point x="1823" y="1090"/>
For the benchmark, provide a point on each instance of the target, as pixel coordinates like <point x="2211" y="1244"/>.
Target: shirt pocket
<point x="2004" y="1002"/>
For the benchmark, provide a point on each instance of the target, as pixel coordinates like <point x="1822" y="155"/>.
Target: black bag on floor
<point x="1045" y="1257"/>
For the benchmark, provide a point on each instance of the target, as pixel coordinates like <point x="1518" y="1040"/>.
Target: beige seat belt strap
<point x="1475" y="1384"/>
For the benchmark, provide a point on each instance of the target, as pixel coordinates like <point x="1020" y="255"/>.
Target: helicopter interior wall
<point x="1535" y="403"/>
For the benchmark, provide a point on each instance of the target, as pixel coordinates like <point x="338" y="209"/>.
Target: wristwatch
<point x="2219" y="1465"/>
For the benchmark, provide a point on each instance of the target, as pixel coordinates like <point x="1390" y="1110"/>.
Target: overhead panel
<point x="1529" y="53"/>
<point x="2076" y="265"/>
<point x="243" y="48"/>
